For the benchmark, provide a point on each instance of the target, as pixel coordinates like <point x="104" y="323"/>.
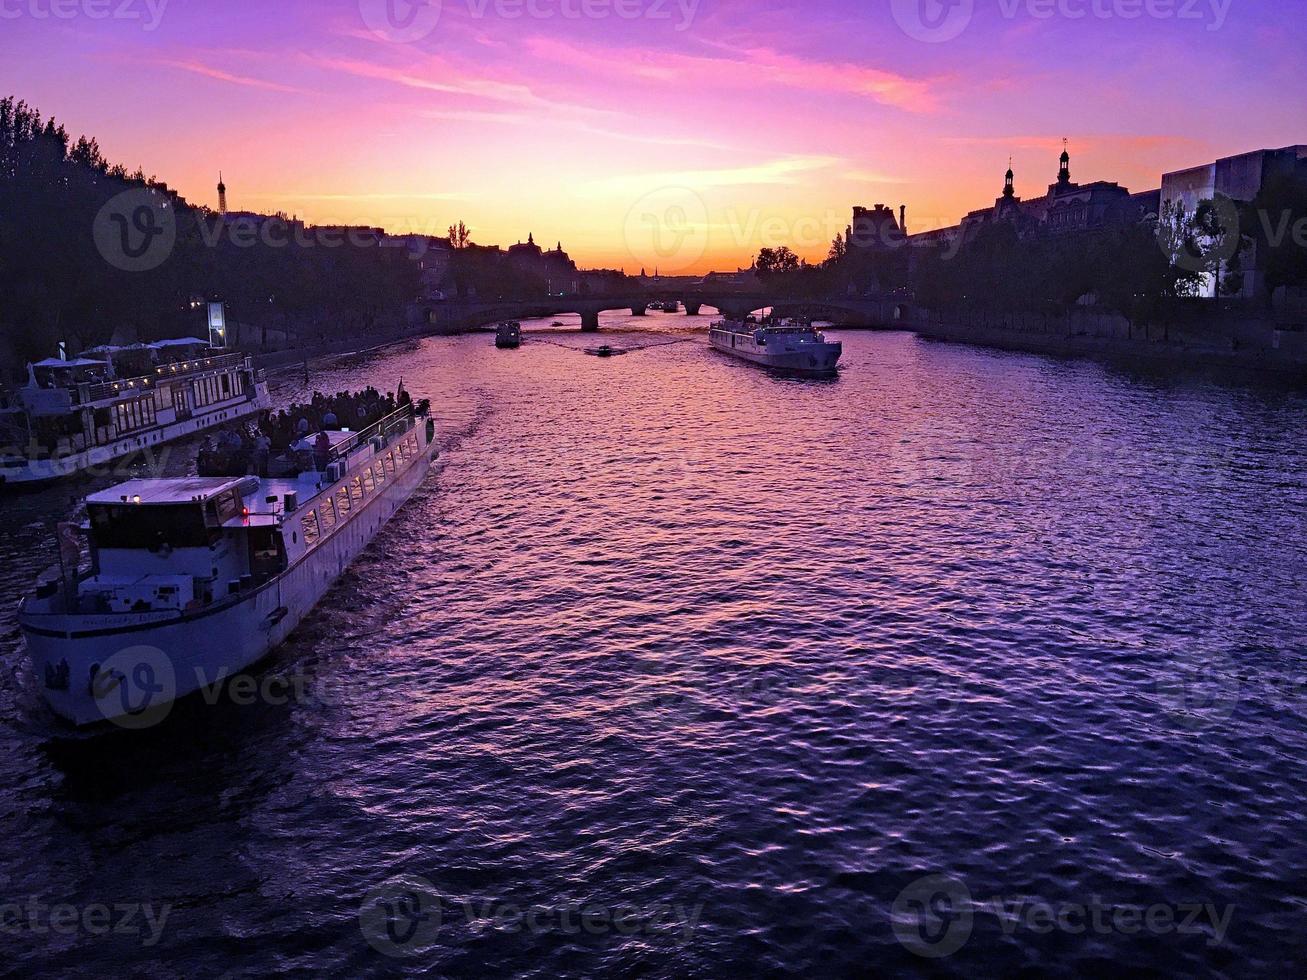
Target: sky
<point x="677" y="134"/>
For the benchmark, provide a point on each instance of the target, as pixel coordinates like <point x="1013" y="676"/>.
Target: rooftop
<point x="182" y="490"/>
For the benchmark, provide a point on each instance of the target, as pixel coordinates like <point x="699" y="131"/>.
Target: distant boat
<point x="604" y="351"/>
<point x="509" y="335"/>
<point x="791" y="345"/>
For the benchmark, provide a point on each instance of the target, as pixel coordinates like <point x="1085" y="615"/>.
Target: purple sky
<point x="602" y="122"/>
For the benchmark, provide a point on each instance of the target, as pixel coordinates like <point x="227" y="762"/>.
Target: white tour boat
<point x="191" y="580"/>
<point x="794" y="346"/>
<point x="74" y="415"/>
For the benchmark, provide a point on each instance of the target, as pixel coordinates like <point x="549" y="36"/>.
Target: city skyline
<point x="769" y="122"/>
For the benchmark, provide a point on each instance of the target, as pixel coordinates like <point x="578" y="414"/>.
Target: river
<point x="965" y="661"/>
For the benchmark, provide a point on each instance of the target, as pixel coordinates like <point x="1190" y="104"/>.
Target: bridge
<point x="846" y="311"/>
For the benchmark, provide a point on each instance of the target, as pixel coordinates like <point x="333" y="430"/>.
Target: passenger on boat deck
<point x="321" y="451"/>
<point x="262" y="452"/>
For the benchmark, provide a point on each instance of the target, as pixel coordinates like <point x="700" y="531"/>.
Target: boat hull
<point x="816" y="360"/>
<point x="160" y="660"/>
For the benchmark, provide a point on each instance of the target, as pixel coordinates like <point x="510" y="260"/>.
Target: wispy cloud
<point x="783" y="170"/>
<point x="208" y="71"/>
<point x="742" y="69"/>
<point x="364" y="196"/>
<point x="521" y="119"/>
<point x="435" y="75"/>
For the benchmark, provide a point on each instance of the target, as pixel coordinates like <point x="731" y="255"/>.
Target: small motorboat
<point x="508" y="335"/>
<point x="604" y="350"/>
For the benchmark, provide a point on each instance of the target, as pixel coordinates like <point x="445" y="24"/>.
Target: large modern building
<point x="1240" y="179"/>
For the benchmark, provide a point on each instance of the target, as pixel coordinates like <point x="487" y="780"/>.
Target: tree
<point x="773" y="261"/>
<point x="459" y="236"/>
<point x="839" y="248"/>
<point x="57" y="285"/>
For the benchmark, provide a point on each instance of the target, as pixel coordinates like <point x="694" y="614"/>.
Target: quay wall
<point x="1259" y="343"/>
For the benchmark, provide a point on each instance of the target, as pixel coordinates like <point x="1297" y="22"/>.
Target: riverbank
<point x="1248" y="344"/>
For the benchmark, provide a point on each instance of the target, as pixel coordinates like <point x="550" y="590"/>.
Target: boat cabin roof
<point x="187" y="490"/>
<point x="55" y="364"/>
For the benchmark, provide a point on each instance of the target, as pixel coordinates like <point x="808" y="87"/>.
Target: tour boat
<point x="194" y="579"/>
<point x="508" y="336"/>
<point x="73" y="416"/>
<point x="794" y="346"/>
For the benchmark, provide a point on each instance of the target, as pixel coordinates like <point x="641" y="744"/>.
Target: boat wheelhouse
<point x="790" y="345"/>
<point x="191" y="580"/>
<point x="74" y="416"/>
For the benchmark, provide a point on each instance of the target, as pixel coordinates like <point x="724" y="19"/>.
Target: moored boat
<point x="790" y="345"/>
<point x="78" y="415"/>
<point x="194" y="579"/>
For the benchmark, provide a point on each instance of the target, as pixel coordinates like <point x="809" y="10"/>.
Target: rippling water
<point x="675" y="667"/>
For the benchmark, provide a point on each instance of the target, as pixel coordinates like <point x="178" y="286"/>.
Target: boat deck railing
<point x="398" y="421"/>
<point x="199" y="365"/>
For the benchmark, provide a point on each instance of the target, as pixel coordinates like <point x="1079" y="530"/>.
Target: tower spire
<point x="1064" y="170"/>
<point x="1009" y="186"/>
<point x="222" y="196"/>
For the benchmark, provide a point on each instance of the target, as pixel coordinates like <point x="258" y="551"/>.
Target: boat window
<point x="379" y="472"/>
<point x="309" y="523"/>
<point x="342" y="502"/>
<point x="328" y="511"/>
<point x="134" y="526"/>
<point x="229" y="505"/>
<point x="369" y="484"/>
<point x="356" y="489"/>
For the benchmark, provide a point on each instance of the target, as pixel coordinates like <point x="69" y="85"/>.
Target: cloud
<point x="436" y="75"/>
<point x="528" y="119"/>
<point x="208" y="71"/>
<point x="748" y="68"/>
<point x="783" y="170"/>
<point x="366" y="196"/>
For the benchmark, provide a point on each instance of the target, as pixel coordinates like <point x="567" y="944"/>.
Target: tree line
<point x="58" y="199"/>
<point x="1144" y="270"/>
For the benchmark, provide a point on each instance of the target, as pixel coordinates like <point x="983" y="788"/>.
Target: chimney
<point x="903" y="219"/>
